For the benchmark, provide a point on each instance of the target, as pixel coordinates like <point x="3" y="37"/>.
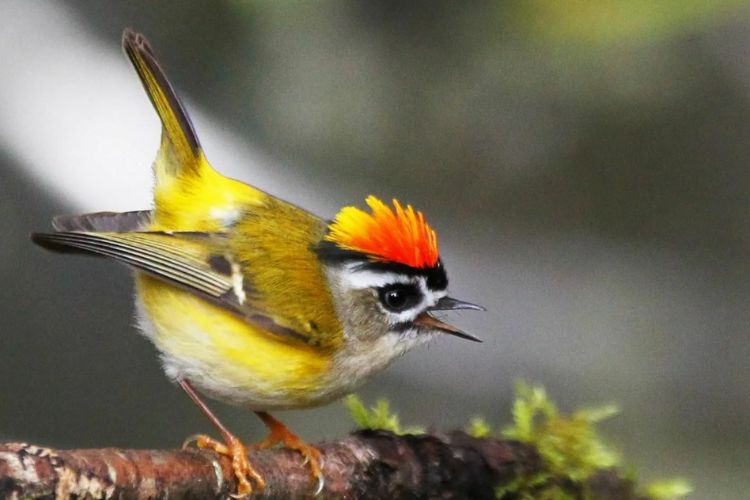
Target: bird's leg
<point x="280" y="434"/>
<point x="231" y="447"/>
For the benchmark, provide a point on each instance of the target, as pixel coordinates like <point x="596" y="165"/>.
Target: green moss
<point x="570" y="446"/>
<point x="479" y="428"/>
<point x="377" y="417"/>
<point x="668" y="489"/>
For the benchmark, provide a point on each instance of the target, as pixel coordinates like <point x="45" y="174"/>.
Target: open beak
<point x="451" y="304"/>
<point x="447" y="304"/>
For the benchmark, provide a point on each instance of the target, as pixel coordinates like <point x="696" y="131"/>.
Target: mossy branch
<point x="544" y="454"/>
<point x="366" y="464"/>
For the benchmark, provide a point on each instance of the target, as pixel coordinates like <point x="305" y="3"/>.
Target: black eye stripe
<point x="402" y="326"/>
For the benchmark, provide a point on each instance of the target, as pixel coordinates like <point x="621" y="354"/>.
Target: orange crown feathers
<point x="400" y="236"/>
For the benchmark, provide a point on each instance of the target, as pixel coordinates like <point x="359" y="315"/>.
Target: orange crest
<point x="400" y="236"/>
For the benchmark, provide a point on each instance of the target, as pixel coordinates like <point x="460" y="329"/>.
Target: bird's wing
<point x="199" y="262"/>
<point x="180" y="258"/>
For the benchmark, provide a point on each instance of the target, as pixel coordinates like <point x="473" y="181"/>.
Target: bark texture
<point x="366" y="464"/>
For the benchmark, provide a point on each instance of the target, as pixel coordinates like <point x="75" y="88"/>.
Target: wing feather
<point x="183" y="260"/>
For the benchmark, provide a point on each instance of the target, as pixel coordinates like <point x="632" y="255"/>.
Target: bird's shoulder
<point x="274" y="245"/>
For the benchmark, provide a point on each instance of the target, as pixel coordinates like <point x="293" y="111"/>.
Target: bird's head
<point x="386" y="275"/>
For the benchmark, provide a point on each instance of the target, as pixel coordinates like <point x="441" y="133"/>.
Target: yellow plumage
<point x="264" y="236"/>
<point x="243" y="360"/>
<point x="287" y="286"/>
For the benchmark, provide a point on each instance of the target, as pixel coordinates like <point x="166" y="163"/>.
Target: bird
<point x="254" y="301"/>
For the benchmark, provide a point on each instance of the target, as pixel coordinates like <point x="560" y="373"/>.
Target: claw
<point x="231" y="447"/>
<point x="321" y="485"/>
<point x="306" y="459"/>
<point x="240" y="496"/>
<point x="281" y="435"/>
<point x="243" y="471"/>
<point x="193" y="438"/>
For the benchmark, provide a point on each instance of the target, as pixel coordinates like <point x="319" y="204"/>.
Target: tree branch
<point x="366" y="464"/>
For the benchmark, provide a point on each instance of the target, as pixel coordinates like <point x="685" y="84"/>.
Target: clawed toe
<point x="234" y="449"/>
<point x="281" y="435"/>
<point x="190" y="440"/>
<point x="231" y="447"/>
<point x="321" y="485"/>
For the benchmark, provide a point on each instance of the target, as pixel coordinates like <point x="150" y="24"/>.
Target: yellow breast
<point x="225" y="356"/>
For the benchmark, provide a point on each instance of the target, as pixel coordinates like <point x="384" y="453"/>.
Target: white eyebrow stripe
<point x="405" y="317"/>
<point x="358" y="279"/>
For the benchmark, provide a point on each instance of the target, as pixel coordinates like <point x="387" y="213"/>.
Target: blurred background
<point x="585" y="165"/>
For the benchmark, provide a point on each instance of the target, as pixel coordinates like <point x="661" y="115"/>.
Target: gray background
<point x="585" y="165"/>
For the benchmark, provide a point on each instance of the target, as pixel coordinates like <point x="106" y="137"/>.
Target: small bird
<point x="256" y="302"/>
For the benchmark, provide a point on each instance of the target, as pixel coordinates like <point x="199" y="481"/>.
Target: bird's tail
<point x="180" y="153"/>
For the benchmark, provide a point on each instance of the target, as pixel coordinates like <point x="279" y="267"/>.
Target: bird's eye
<point x="399" y="297"/>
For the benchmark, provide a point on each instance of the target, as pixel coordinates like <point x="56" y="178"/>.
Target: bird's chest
<point x="225" y="357"/>
<point x="359" y="360"/>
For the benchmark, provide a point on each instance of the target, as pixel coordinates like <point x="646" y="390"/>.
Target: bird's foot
<point x="280" y="434"/>
<point x="234" y="449"/>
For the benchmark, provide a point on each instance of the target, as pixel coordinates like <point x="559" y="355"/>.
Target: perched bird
<point x="254" y="301"/>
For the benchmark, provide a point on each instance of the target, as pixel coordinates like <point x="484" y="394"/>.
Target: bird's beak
<point x="447" y="304"/>
<point x="433" y="323"/>
<point x="451" y="304"/>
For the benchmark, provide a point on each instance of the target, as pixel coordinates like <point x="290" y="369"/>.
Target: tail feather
<point x="178" y="131"/>
<point x="110" y="222"/>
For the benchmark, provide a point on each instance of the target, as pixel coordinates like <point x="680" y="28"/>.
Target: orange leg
<point x="280" y="434"/>
<point x="231" y="447"/>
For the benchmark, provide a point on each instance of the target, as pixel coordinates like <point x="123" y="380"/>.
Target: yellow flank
<point x="232" y="352"/>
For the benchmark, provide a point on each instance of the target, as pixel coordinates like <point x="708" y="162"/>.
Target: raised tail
<point x="180" y="150"/>
<point x="189" y="194"/>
